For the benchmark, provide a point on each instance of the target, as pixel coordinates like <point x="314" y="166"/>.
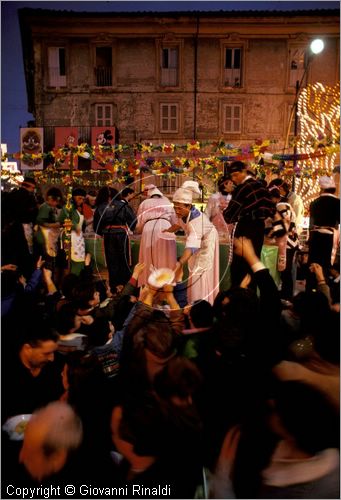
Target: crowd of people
<point x="209" y="392"/>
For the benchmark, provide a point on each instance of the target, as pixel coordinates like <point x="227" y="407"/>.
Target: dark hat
<point x="78" y="192"/>
<point x="236" y="166"/>
<point x="29" y="180"/>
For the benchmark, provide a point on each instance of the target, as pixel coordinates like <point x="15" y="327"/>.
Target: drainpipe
<point x="195" y="80"/>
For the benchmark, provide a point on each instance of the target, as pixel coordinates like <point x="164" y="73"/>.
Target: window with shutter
<point x="104" y="115"/>
<point x="169" y="117"/>
<point x="232" y="118"/>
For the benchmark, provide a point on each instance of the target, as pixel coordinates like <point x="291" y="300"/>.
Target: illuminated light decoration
<point x="318" y="110"/>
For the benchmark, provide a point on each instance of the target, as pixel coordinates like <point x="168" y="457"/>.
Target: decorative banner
<point x="66" y="137"/>
<point x="103" y="138"/>
<point x="32" y="146"/>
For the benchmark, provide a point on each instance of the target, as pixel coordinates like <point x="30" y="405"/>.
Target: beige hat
<point x="154" y="191"/>
<point x="192" y="186"/>
<point x="182" y="195"/>
<point x="326" y="182"/>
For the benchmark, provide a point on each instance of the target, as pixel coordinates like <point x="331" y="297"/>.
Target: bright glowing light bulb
<point x="317" y="46"/>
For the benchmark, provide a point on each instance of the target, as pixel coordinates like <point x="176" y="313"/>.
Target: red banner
<point x="104" y="137"/>
<point x="31" y="144"/>
<point x="66" y="137"/>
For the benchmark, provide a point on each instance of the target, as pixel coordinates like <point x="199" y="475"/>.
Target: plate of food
<point x="160" y="277"/>
<point x="15" y="426"/>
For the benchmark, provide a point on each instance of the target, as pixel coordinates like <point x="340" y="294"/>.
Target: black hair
<point x="38" y="331"/>
<point x="78" y="192"/>
<point x="180" y="377"/>
<point x="65" y="319"/>
<point x="237" y="166"/>
<point x="54" y="193"/>
<point x="69" y="283"/>
<point x="201" y="314"/>
<point x="92" y="193"/>
<point x="158" y="336"/>
<point x="126" y="191"/>
<point x="83" y="293"/>
<point x="104" y="194"/>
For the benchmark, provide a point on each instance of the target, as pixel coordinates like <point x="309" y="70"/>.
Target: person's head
<point x="275" y="194"/>
<point x="85" y="381"/>
<point x="86" y="295"/>
<point x="67" y="320"/>
<point x="225" y="184"/>
<point x="239" y="315"/>
<point x="283" y="187"/>
<point x="38" y="345"/>
<point x="327" y="184"/>
<point x="52" y="433"/>
<point x="158" y="337"/>
<point x="91" y="198"/>
<point x="105" y="195"/>
<point x="238" y="172"/>
<point x="29" y="184"/>
<point x="182" y="201"/>
<point x="302" y="414"/>
<point x="54" y="197"/>
<point x="78" y="196"/>
<point x="201" y="314"/>
<point x="69" y="284"/>
<point x="127" y="194"/>
<point x="178" y="381"/>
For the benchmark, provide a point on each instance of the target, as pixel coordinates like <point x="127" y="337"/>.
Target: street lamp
<point x="316" y="47"/>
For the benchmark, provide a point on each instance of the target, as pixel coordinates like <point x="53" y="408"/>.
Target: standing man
<point x="323" y="227"/>
<point x="249" y="206"/>
<point x="20" y="212"/>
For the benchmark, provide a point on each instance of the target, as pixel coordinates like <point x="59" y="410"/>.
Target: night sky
<point x="13" y="92"/>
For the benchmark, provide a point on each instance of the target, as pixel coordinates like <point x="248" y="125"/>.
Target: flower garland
<point x="120" y="161"/>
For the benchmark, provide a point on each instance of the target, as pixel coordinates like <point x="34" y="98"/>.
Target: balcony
<point x="169" y="77"/>
<point x="232" y="77"/>
<point x="103" y="76"/>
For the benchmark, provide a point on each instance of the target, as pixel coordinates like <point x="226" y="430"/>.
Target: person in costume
<point x="157" y="247"/>
<point x="324" y="228"/>
<point x="217" y="203"/>
<point x="75" y="214"/>
<point x="202" y="246"/>
<point x="48" y="230"/>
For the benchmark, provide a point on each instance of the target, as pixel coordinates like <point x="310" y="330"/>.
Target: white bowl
<point x="160" y="277"/>
<point x="15" y="426"/>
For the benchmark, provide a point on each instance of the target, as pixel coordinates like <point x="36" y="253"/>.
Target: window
<point x="169" y="118"/>
<point x="297" y="61"/>
<point x="56" y="67"/>
<point x="103" y="69"/>
<point x="233" y="67"/>
<point x="169" y="66"/>
<point x="104" y="115"/>
<point x="232" y="118"/>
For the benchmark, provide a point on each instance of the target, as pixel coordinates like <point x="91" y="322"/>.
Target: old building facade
<point x="174" y="77"/>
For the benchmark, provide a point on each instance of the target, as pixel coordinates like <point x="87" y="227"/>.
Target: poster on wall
<point x="31" y="143"/>
<point x="66" y="137"/>
<point x="102" y="136"/>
